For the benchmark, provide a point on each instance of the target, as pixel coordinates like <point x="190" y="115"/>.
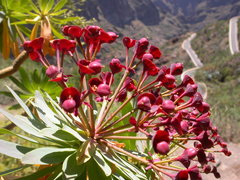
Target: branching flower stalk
<point x="152" y="106"/>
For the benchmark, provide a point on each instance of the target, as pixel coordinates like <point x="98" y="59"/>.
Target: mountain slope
<point x="162" y="19"/>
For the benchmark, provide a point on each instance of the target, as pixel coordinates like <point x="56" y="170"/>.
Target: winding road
<point x="186" y="45"/>
<point x="233" y="35"/>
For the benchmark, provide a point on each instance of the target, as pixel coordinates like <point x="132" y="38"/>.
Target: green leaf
<point x="48" y="155"/>
<point x="77" y="135"/>
<point x="49" y="6"/>
<point x="102" y="163"/>
<point x="18" y="83"/>
<point x="86" y="151"/>
<point x="70" y="167"/>
<point x="23" y="105"/>
<point x="10" y="171"/>
<point x="12" y="30"/>
<point x="95" y="172"/>
<point x="58" y="135"/>
<point x="34" y="7"/>
<point x="56" y="33"/>
<point x="40" y="173"/>
<point x="25" y="79"/>
<point x="44" y="112"/>
<point x="28" y="125"/>
<point x="128" y="170"/>
<point x="2" y="15"/>
<point x="58" y="13"/>
<point x="60" y="112"/>
<point x="59" y="5"/>
<point x="12" y="149"/>
<point x="5" y="131"/>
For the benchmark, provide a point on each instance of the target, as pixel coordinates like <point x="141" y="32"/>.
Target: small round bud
<point x="52" y="71"/>
<point x="163" y="147"/>
<point x="69" y="105"/>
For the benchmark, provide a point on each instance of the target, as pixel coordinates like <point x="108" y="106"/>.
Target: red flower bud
<point x="142" y="46"/>
<point x="168" y="106"/>
<point x="184" y="126"/>
<point x="186" y="80"/>
<point x="145" y="101"/>
<point x="69" y="105"/>
<point x="132" y="121"/>
<point x="197" y="100"/>
<point x="121" y="96"/>
<point x="52" y="71"/>
<point x="147" y="56"/>
<point x="115" y="66"/>
<point x="190" y="152"/>
<point x="204" y="107"/>
<point x="163" y="147"/>
<point x="65" y="30"/>
<point x="74" y="31"/>
<point x="190" y="90"/>
<point x="155" y="52"/>
<point x="96" y="66"/>
<point x="103" y="90"/>
<point x="176" y="69"/>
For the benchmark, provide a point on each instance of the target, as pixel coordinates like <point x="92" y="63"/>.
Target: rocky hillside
<point x="161" y="19"/>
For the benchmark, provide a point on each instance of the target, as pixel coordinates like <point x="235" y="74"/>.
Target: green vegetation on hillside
<point x="221" y="74"/>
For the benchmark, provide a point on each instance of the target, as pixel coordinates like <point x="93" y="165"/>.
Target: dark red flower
<point x="129" y="84"/>
<point x="70" y="99"/>
<point x="84" y="67"/>
<point x="64" y="45"/>
<point x="155" y="52"/>
<point x="182" y="175"/>
<point x="74" y="31"/>
<point x="34" y="48"/>
<point x="142" y="46"/>
<point x="107" y="37"/>
<point x="176" y="69"/>
<point x="145" y="101"/>
<point x="150" y="67"/>
<point x="34" y="56"/>
<point x="161" y="136"/>
<point x="91" y="34"/>
<point x="34" y="45"/>
<point x="99" y="86"/>
<point x="65" y="30"/>
<point x="94" y="83"/>
<point x="121" y="95"/>
<point x="116" y="66"/>
<point x="128" y="42"/>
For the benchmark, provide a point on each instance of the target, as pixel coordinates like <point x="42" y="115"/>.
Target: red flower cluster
<point x="168" y="112"/>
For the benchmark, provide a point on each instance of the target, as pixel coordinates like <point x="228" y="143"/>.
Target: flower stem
<point x="115" y="113"/>
<point x="126" y="137"/>
<point x="111" y="102"/>
<point x="119" y="120"/>
<point x="118" y="132"/>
